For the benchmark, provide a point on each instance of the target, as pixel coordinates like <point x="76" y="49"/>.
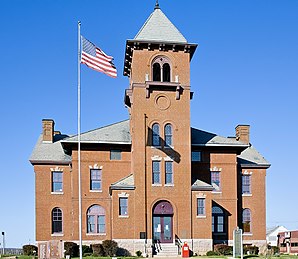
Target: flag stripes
<point x="96" y="59"/>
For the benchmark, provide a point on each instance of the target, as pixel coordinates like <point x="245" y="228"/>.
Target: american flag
<point x="96" y="59"/>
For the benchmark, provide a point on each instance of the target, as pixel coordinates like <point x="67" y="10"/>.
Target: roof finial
<point x="156" y="5"/>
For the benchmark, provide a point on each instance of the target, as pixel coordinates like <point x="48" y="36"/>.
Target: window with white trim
<point x="95" y="179"/>
<point x="201" y="210"/>
<point x="123" y="206"/>
<point x="246" y="184"/>
<point x="156" y="172"/>
<point x="246" y="220"/>
<point x="168" y="135"/>
<point x="169" y="172"/>
<point x="57" y="181"/>
<point x="56" y="220"/>
<point x="96" y="220"/>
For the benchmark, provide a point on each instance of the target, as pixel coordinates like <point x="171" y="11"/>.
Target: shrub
<point x="71" y="249"/>
<point x="223" y="249"/>
<point x="122" y="252"/>
<point x="86" y="250"/>
<point x="98" y="250"/>
<point x="275" y="250"/>
<point x="30" y="250"/>
<point x="252" y="250"/>
<point x="138" y="253"/>
<point x="110" y="247"/>
<point x="211" y="253"/>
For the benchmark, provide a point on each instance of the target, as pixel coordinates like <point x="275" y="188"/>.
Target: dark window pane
<point x="166" y="72"/>
<point x="95" y="179"/>
<point x="156" y="72"/>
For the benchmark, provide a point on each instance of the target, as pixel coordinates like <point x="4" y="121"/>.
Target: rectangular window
<point x="57" y="181"/>
<point x="91" y="224"/>
<point x="196" y="156"/>
<point x="156" y="172"/>
<point x="169" y="172"/>
<point x="101" y="225"/>
<point x="123" y="206"/>
<point x="246" y="184"/>
<point x="95" y="179"/>
<point x="200" y="207"/>
<point x="215" y="179"/>
<point x="115" y="154"/>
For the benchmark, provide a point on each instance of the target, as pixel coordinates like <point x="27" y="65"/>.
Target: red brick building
<point x="152" y="178"/>
<point x="288" y="242"/>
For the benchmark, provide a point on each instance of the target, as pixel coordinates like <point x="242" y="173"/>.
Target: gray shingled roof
<point x="251" y="157"/>
<point x="203" y="138"/>
<point x="125" y="183"/>
<point x="160" y="29"/>
<point x="49" y="152"/>
<point x="117" y="133"/>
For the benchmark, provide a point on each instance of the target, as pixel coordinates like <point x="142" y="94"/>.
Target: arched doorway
<point x="162" y="222"/>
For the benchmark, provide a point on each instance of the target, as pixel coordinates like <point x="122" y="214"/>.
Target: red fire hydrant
<point x="185" y="250"/>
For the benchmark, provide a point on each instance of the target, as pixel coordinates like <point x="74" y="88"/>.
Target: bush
<point x="110" y="247"/>
<point x="98" y="250"/>
<point x="86" y="250"/>
<point x="71" y="249"/>
<point x="223" y="249"/>
<point x="138" y="253"/>
<point x="211" y="253"/>
<point x="252" y="250"/>
<point x="122" y="252"/>
<point x="30" y="250"/>
<point x="275" y="250"/>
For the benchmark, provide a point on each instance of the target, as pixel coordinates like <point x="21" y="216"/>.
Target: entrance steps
<point x="166" y="250"/>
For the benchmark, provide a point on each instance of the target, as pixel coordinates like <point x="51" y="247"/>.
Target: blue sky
<point x="243" y="72"/>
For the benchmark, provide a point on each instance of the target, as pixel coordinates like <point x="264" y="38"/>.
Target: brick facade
<point x="131" y="177"/>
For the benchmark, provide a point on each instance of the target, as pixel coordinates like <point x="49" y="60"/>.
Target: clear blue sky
<point x="245" y="70"/>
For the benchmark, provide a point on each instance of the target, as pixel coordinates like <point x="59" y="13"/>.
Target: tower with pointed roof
<point x="151" y="182"/>
<point x="157" y="62"/>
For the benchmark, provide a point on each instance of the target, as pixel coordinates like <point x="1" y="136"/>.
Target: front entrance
<point x="162" y="222"/>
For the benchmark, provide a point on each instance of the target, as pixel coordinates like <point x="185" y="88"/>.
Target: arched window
<point x="155" y="135"/>
<point x="161" y="69"/>
<point x="246" y="220"/>
<point x="56" y="220"/>
<point x="217" y="220"/>
<point x="96" y="220"/>
<point x="168" y="135"/>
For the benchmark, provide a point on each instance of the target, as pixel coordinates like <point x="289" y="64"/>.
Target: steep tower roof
<point x="159" y="28"/>
<point x="158" y="32"/>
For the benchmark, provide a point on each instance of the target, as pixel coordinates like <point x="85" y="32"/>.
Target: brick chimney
<point x="242" y="133"/>
<point x="48" y="130"/>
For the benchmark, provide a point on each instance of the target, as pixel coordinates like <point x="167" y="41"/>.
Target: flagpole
<point x="79" y="138"/>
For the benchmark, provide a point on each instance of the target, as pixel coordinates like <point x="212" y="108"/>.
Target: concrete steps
<point x="166" y="250"/>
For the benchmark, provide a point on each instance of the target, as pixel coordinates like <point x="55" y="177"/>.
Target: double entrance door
<point x="163" y="228"/>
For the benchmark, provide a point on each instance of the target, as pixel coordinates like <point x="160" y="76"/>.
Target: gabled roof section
<point x="117" y="133"/>
<point x="199" y="185"/>
<point x="127" y="183"/>
<point x="50" y="152"/>
<point x="250" y="157"/>
<point x="203" y="138"/>
<point x="160" y="29"/>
